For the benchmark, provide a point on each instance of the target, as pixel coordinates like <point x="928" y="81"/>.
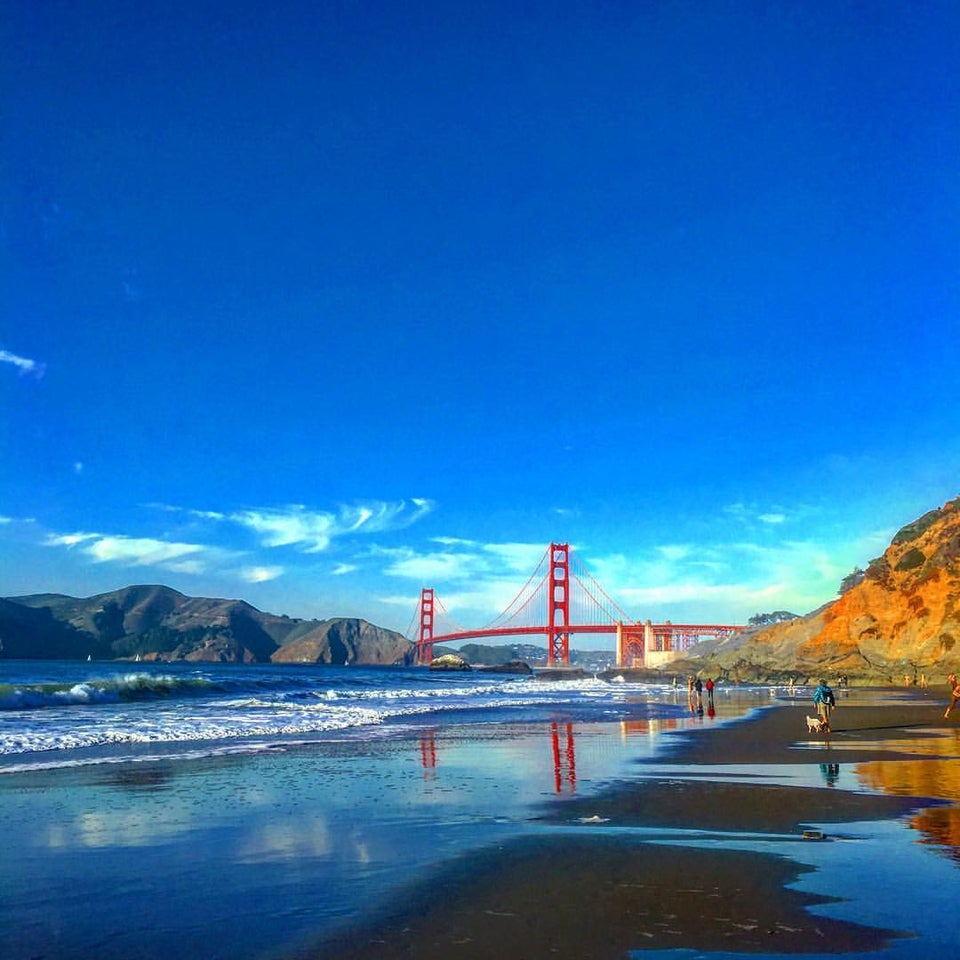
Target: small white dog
<point x="814" y="725"/>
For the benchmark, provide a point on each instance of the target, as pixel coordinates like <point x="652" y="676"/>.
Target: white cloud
<point x="290" y="526"/>
<point x="522" y="557"/>
<point x="465" y="559"/>
<point x="312" y="531"/>
<point x="309" y="531"/>
<point x="191" y="558"/>
<point x="69" y="539"/>
<point x="139" y="551"/>
<point x="433" y="567"/>
<point x="772" y="517"/>
<point x="260" y="574"/>
<point x="343" y="568"/>
<point x="474" y="582"/>
<point x="454" y="542"/>
<point x="23" y="364"/>
<point x="684" y="582"/>
<point x="192" y="567"/>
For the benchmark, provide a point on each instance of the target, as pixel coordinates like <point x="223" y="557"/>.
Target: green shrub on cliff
<point x="912" y="559"/>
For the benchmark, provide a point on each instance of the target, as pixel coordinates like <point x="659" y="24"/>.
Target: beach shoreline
<point x="706" y="848"/>
<point x="510" y="820"/>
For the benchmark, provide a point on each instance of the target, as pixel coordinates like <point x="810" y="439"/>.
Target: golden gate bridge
<point x="562" y="598"/>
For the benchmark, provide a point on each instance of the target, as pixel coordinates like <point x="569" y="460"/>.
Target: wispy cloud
<point x="521" y="557"/>
<point x="684" y="582"/>
<point x="747" y="513"/>
<point x="193" y="551"/>
<point x="136" y="551"/>
<point x="735" y="579"/>
<point x="23" y="364"/>
<point x="312" y="531"/>
<point x="475" y="581"/>
<point x="341" y="569"/>
<point x="454" y="542"/>
<point x="434" y="566"/>
<point x="174" y="556"/>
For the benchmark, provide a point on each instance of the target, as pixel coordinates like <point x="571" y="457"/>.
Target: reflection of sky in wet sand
<point x="270" y="846"/>
<point x="266" y="848"/>
<point x="878" y="877"/>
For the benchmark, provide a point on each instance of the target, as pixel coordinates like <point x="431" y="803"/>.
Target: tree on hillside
<point x="765" y="619"/>
<point x="852" y="579"/>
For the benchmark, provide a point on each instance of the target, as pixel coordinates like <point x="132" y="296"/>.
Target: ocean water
<point x="174" y="811"/>
<point x="235" y="812"/>
<point x="55" y="713"/>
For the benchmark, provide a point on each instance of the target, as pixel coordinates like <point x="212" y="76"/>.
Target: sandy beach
<point x="710" y="849"/>
<point x="600" y="821"/>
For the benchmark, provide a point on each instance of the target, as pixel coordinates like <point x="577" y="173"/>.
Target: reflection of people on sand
<point x="830" y="773"/>
<point x="825" y="702"/>
<point x="954" y="693"/>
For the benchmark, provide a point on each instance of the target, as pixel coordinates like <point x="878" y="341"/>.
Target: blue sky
<point x="317" y="305"/>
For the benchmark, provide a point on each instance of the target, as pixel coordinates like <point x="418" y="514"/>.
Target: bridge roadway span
<point x="657" y="628"/>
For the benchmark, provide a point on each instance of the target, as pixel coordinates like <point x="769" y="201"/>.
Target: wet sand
<point x="592" y="885"/>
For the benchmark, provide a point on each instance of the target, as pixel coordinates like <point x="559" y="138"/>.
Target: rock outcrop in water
<point x="155" y="622"/>
<point x="449" y="661"/>
<point x="898" y="618"/>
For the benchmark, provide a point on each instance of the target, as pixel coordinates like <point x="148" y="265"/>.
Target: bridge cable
<point x="507" y="610"/>
<point x="624" y="616"/>
<point x="408" y="633"/>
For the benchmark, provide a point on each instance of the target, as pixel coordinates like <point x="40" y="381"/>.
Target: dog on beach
<point x="814" y="725"/>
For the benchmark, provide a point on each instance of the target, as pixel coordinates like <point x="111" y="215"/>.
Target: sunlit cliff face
<point x="936" y="776"/>
<point x="908" y="606"/>
<point x="901" y="618"/>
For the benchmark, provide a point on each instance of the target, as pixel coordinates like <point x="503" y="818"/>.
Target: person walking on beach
<point x="825" y="702"/>
<point x="710" y="691"/>
<point x="954" y="693"/>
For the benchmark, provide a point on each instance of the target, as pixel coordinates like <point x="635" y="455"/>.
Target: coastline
<point x="704" y="850"/>
<point x="523" y="821"/>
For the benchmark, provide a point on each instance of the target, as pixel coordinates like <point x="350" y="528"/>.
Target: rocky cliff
<point x="154" y="622"/>
<point x="346" y="641"/>
<point x="899" y="617"/>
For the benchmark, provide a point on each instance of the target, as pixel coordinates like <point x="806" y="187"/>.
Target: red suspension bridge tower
<point x="558" y="605"/>
<point x="426" y="625"/>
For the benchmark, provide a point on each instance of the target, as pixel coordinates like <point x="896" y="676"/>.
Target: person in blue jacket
<point x="825" y="702"/>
